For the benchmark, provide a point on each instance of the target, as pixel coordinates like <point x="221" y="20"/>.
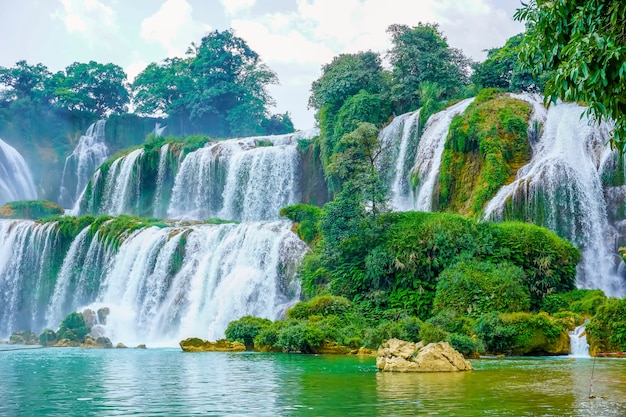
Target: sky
<point x="295" y="38"/>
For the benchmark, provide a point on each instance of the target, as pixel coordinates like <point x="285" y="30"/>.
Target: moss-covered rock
<point x="484" y="149"/>
<point x="23" y="337"/>
<point x="30" y="209"/>
<point x="194" y="344"/>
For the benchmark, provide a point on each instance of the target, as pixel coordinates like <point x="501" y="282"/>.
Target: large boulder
<point x="194" y="344"/>
<point x="96" y="343"/>
<point x="400" y="356"/>
<point x="24" y="337"/>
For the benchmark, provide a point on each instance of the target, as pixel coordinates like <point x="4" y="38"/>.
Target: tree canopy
<point x="421" y="54"/>
<point x="584" y="43"/>
<point x="220" y="87"/>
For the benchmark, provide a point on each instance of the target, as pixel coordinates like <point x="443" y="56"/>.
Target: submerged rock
<point x="400" y="356"/>
<point x="194" y="344"/>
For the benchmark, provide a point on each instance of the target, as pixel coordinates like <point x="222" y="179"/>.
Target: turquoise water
<point x="168" y="382"/>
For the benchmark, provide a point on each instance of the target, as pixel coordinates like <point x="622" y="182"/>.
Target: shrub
<point x="607" y="329"/>
<point x="73" y="328"/>
<point x="33" y="210"/>
<point x="475" y="288"/>
<point x="299" y="337"/>
<point x="579" y="301"/>
<point x="323" y="305"/>
<point x="429" y="333"/>
<point x="306" y="218"/>
<point x="246" y="329"/>
<point x="466" y="345"/>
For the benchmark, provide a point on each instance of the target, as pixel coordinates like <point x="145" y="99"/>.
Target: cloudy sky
<point x="294" y="37"/>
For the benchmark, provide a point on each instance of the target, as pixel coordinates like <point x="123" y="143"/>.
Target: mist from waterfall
<point x="16" y="180"/>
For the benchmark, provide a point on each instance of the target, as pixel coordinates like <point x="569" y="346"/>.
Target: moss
<point x="32" y="209"/>
<point x="484" y="149"/>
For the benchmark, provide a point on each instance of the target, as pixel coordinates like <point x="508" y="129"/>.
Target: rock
<point x="90" y="317"/>
<point x="23" y="337"/>
<point x="121" y="346"/>
<point x="47" y="338"/>
<point x="102" y="315"/>
<point x="65" y="343"/>
<point x="140" y="346"/>
<point x="3" y="342"/>
<point x="400" y="356"/>
<point x="194" y="344"/>
<point x="331" y="348"/>
<point x="98" y="343"/>
<point x="363" y="351"/>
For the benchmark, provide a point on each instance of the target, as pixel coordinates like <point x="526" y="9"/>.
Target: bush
<point x="323" y="305"/>
<point x="306" y="219"/>
<point x="466" y="345"/>
<point x="246" y="329"/>
<point x="579" y="301"/>
<point x="73" y="328"/>
<point x="452" y="322"/>
<point x="475" y="288"/>
<point x="607" y="329"/>
<point x="429" y="333"/>
<point x="33" y="210"/>
<point x="518" y="333"/>
<point x="300" y="337"/>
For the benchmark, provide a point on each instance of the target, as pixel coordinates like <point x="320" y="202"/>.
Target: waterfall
<point x="161" y="284"/>
<point x="561" y="189"/>
<point x="16" y="181"/>
<point x="399" y="143"/>
<point x="26" y="252"/>
<point x="89" y="153"/>
<point x="579" y="348"/>
<point x="429" y="153"/>
<point x="161" y="174"/>
<point x="122" y="182"/>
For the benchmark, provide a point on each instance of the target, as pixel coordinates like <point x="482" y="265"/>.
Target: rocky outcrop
<point x="121" y="346"/>
<point x="331" y="348"/>
<point x="400" y="356"/>
<point x="97" y="343"/>
<point x="194" y="344"/>
<point x="65" y="343"/>
<point x="24" y="337"/>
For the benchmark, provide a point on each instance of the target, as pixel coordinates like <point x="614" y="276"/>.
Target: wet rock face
<point x="400" y="356"/>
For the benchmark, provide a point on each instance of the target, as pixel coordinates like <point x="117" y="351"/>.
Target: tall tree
<point x="584" y="43"/>
<point x="94" y="87"/>
<point x="221" y="87"/>
<point x="420" y="54"/>
<point x="24" y="81"/>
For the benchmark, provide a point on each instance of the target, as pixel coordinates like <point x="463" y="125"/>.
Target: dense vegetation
<point x="33" y="210"/>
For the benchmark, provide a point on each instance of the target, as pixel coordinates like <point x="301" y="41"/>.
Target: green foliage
<point x="361" y="107"/>
<point x="306" y="219"/>
<point x="607" y="329"/>
<point x="323" y="305"/>
<point x="421" y="54"/>
<point x="429" y="333"/>
<point x="73" y="328"/>
<point x="476" y="288"/>
<point x="33" y="210"/>
<point x="503" y="70"/>
<point x="548" y="261"/>
<point x="47" y="337"/>
<point x="584" y="43"/>
<point x="220" y="89"/>
<point x="578" y="301"/>
<point x="468" y="346"/>
<point x="517" y="333"/>
<point x="484" y="149"/>
<point x="299" y="337"/>
<point x="278" y="124"/>
<point x="246" y="329"/>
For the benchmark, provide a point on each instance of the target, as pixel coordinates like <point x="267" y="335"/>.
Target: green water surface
<point x="168" y="382"/>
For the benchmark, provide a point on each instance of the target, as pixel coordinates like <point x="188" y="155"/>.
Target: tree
<point x="422" y="54"/>
<point x="584" y="43"/>
<point x="503" y="69"/>
<point x="24" y="81"/>
<point x="278" y="124"/>
<point x="344" y="77"/>
<point x="94" y="87"/>
<point x="221" y="87"/>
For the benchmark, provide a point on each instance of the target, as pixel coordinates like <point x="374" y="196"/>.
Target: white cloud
<point x="232" y="7"/>
<point x="134" y="69"/>
<point x="173" y="27"/>
<point x="89" y="19"/>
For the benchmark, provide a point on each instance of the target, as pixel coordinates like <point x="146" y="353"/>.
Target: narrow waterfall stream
<point x="16" y="180"/>
<point x="579" y="348"/>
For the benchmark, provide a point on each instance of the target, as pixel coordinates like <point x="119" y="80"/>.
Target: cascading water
<point x="160" y="284"/>
<point x="399" y="143"/>
<point x="579" y="348"/>
<point x="121" y="184"/>
<point x="161" y="174"/>
<point x="16" y="181"/>
<point x="90" y="152"/>
<point x="561" y="189"/>
<point x="429" y="153"/>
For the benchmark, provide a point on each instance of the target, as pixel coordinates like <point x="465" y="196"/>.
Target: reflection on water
<point x="168" y="382"/>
